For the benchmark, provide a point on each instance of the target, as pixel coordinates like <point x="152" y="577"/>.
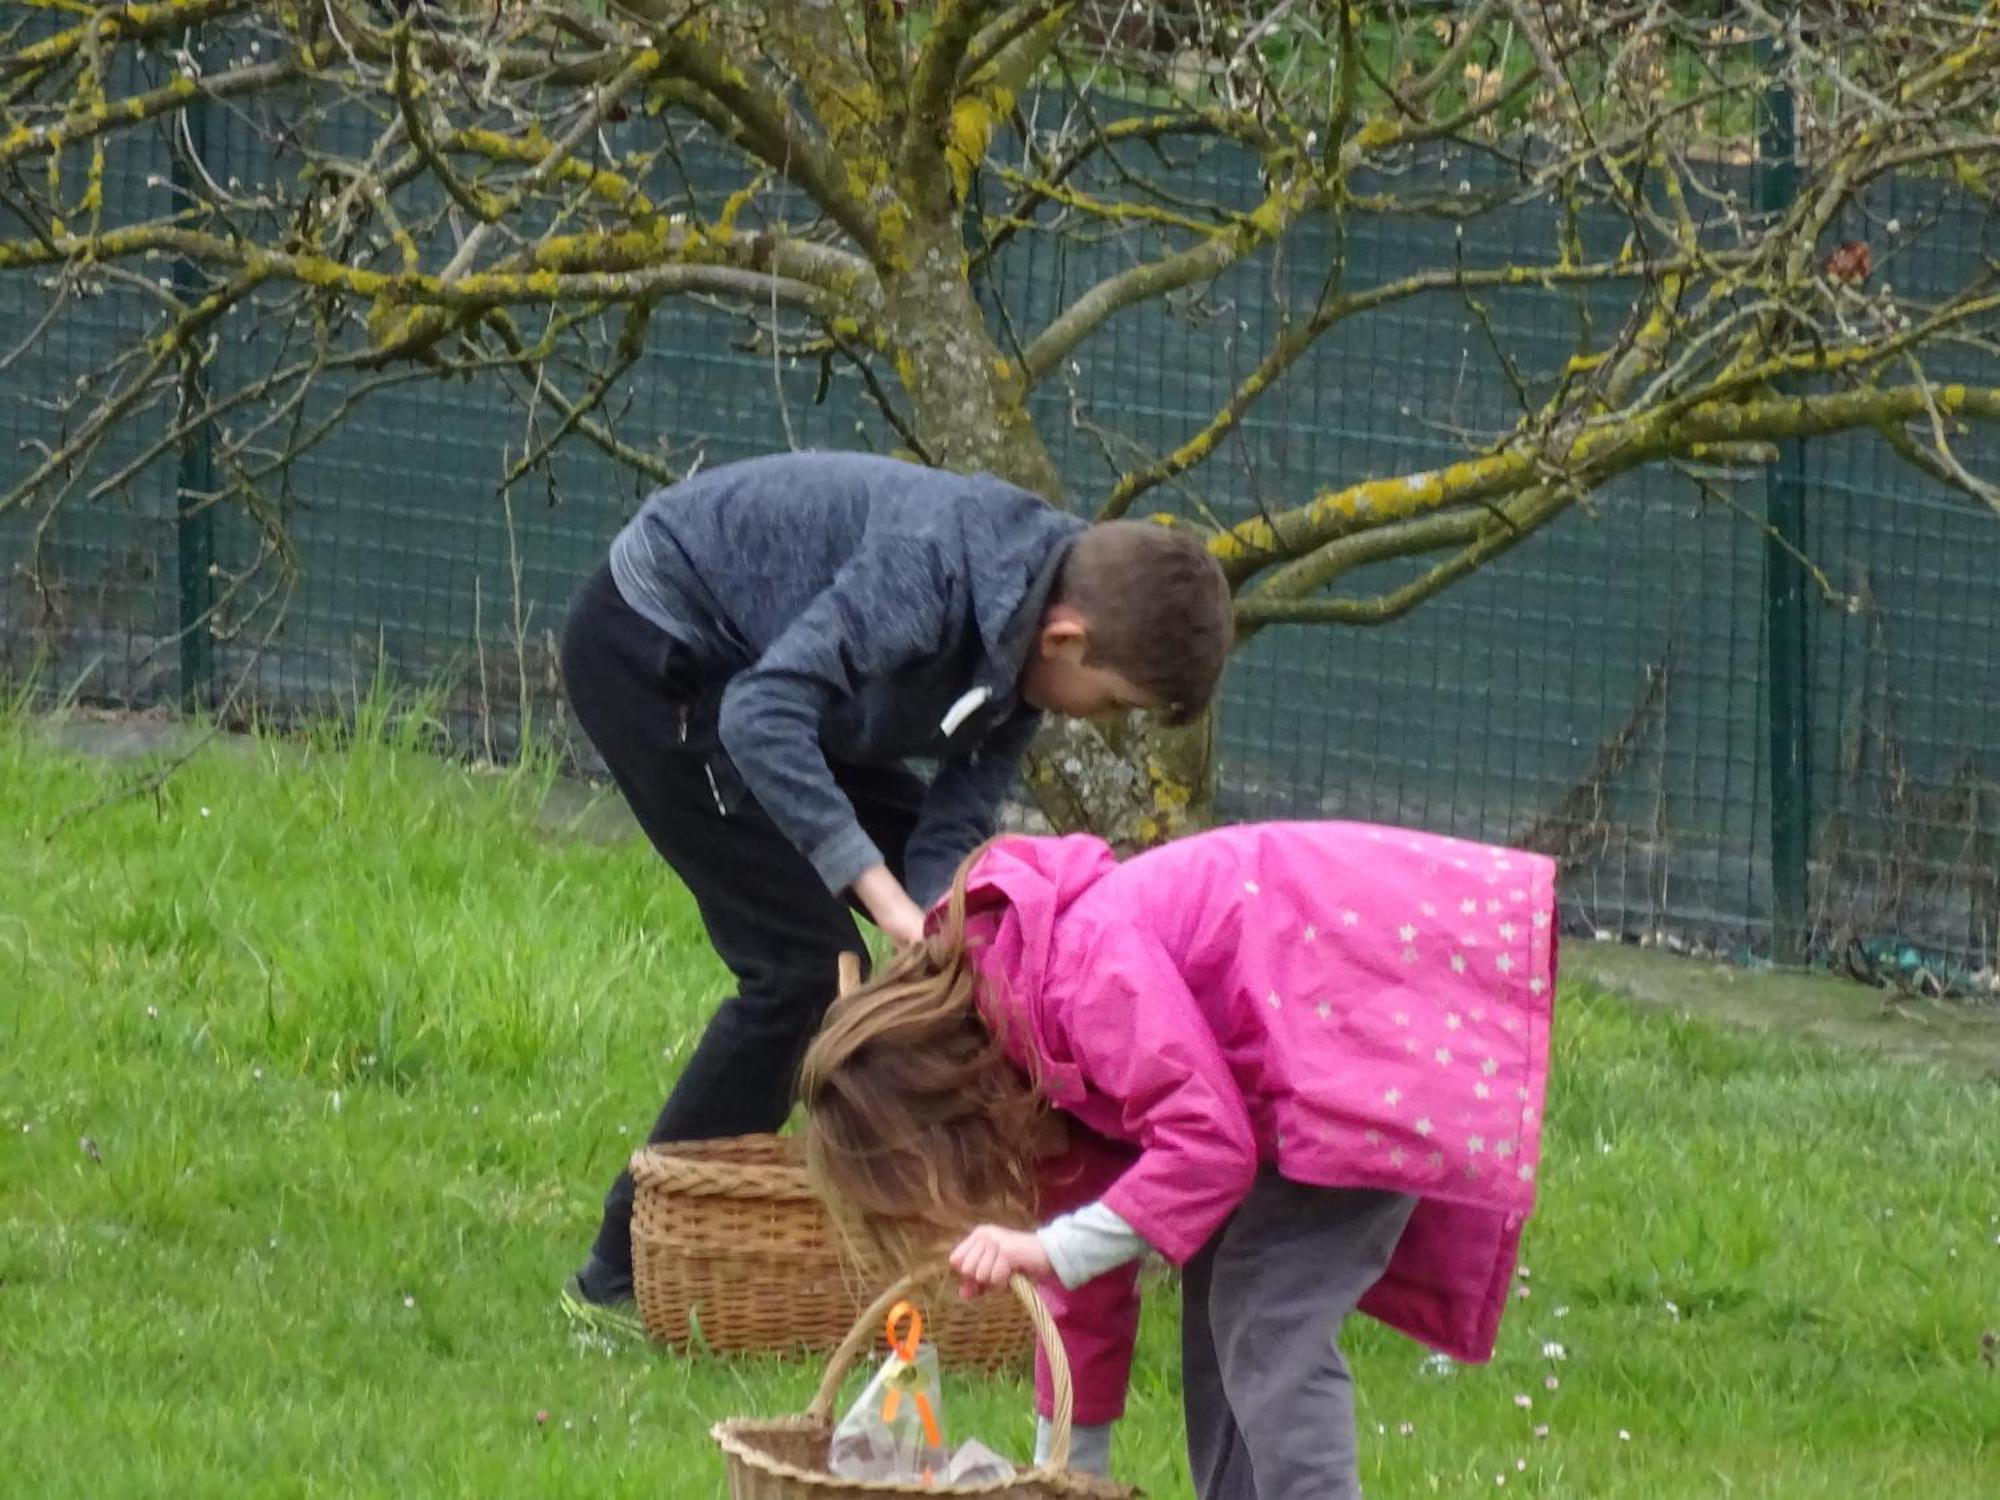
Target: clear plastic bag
<point x="975" y="1463"/>
<point x="895" y="1431"/>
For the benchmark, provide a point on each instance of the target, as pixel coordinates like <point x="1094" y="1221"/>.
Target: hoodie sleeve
<point x="962" y="807"/>
<point x="1143" y="1047"/>
<point x="883" y="609"/>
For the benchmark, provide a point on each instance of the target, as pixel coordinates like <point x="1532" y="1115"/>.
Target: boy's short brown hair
<point x="1156" y="608"/>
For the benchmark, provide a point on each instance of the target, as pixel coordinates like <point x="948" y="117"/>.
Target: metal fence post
<point x="1786" y="668"/>
<point x="194" y="477"/>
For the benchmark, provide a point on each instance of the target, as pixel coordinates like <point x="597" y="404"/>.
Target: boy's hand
<point x="986" y="1257"/>
<point x="900" y="918"/>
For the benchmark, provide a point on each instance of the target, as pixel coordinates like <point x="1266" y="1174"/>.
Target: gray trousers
<point x="1270" y="1405"/>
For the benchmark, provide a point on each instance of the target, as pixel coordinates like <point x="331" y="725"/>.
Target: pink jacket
<point x="1354" y="1006"/>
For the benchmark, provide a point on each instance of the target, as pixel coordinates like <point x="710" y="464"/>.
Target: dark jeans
<point x="767" y="913"/>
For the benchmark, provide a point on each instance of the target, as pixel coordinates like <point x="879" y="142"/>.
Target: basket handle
<point x="850" y="973"/>
<point x="869" y="1326"/>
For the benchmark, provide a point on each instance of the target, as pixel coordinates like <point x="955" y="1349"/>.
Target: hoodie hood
<point x="1015" y="545"/>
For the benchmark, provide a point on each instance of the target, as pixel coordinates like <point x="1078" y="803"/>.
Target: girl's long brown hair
<point x="918" y="1127"/>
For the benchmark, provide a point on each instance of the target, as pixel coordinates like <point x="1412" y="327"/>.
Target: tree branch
<point x="117" y="114"/>
<point x="1293" y="341"/>
<point x="181" y="342"/>
<point x="476" y="290"/>
<point x="882" y="43"/>
<point x="1008" y="28"/>
<point x="764" y="124"/>
<point x="928" y="133"/>
<point x="1529" y="512"/>
<point x="1594" y="456"/>
<point x="112" y="24"/>
<point x="1049" y="348"/>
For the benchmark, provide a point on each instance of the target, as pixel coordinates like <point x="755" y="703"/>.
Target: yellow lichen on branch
<point x="973" y="120"/>
<point x="122" y="23"/>
<point x="614" y="189"/>
<point x="1597" y="454"/>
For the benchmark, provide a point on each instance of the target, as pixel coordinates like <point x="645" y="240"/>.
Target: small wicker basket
<point x="784" y="1458"/>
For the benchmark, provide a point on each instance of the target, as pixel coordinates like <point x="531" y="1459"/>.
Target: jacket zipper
<point x="707" y="770"/>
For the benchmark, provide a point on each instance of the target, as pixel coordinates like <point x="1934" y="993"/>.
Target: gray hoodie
<point x="842" y="607"/>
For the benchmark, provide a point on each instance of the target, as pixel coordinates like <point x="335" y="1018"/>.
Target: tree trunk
<point x="966" y="397"/>
<point x="1136" y="786"/>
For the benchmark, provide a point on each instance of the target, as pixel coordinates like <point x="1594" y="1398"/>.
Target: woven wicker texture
<point x="785" y="1458"/>
<point x="731" y="1249"/>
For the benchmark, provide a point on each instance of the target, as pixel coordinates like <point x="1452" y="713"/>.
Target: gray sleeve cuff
<point x="1089" y="1447"/>
<point x="844" y="858"/>
<point x="1084" y="1245"/>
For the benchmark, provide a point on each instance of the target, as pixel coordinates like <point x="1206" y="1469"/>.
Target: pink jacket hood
<point x="1014" y="898"/>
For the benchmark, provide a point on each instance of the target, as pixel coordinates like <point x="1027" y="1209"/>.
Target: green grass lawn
<point x="359" y="1037"/>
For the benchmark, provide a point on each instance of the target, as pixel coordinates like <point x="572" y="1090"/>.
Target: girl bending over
<point x="1305" y="1062"/>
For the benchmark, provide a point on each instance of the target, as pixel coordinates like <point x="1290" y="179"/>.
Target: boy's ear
<point x="1064" y="633"/>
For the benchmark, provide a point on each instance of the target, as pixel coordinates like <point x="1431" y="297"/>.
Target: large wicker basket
<point x="784" y="1458"/>
<point x="731" y="1249"/>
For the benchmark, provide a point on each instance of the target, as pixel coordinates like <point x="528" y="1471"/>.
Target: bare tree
<point x="516" y="206"/>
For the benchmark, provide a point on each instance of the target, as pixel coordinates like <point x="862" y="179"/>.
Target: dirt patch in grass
<point x="1963" y="1035"/>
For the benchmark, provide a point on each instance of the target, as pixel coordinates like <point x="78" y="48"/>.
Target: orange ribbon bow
<point x="903" y="1351"/>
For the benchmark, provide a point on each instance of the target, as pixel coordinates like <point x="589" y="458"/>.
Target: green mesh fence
<point x="1601" y="693"/>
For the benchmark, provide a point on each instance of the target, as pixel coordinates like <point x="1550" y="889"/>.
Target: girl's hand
<point x="986" y="1257"/>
